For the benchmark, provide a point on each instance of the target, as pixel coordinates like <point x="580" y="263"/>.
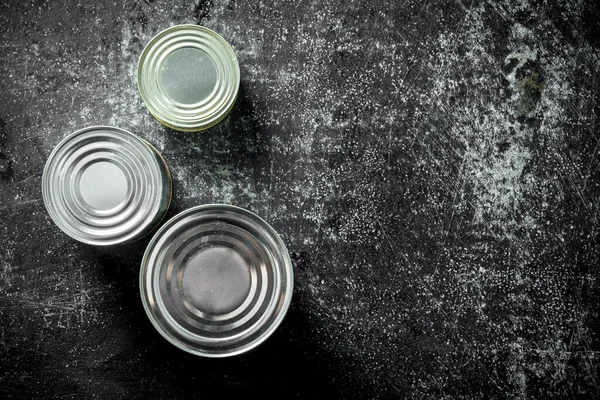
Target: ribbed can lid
<point x="103" y="185"/>
<point x="188" y="77"/>
<point x="216" y="280"/>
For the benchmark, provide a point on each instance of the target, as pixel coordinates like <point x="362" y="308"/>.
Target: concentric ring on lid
<point x="103" y="185"/>
<point x="216" y="280"/>
<point x="188" y="77"/>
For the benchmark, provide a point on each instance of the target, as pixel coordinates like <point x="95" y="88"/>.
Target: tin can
<point x="188" y="77"/>
<point x="216" y="280"/>
<point x="103" y="186"/>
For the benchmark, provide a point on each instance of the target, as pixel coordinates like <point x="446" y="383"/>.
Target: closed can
<point x="188" y="77"/>
<point x="216" y="280"/>
<point x="103" y="186"/>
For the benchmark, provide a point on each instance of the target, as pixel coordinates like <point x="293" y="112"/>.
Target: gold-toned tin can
<point x="188" y="77"/>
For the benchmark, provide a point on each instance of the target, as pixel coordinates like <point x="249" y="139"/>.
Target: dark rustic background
<point x="433" y="167"/>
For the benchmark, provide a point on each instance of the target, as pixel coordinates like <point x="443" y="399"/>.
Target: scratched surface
<point x="433" y="167"/>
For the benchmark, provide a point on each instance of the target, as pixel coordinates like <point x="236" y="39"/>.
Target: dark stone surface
<point x="433" y="167"/>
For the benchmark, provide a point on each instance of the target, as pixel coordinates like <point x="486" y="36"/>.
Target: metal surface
<point x="188" y="77"/>
<point x="216" y="280"/>
<point x="103" y="186"/>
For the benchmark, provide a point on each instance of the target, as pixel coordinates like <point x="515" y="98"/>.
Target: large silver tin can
<point x="216" y="280"/>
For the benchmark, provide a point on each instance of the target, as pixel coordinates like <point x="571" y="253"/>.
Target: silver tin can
<point x="188" y="77"/>
<point x="216" y="280"/>
<point x="104" y="186"/>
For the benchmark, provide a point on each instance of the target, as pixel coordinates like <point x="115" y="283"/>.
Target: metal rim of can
<point x="103" y="185"/>
<point x="254" y="305"/>
<point x="188" y="114"/>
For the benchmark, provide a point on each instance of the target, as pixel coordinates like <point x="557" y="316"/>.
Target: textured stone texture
<point x="433" y="167"/>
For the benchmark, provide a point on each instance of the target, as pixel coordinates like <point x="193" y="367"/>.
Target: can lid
<point x="188" y="77"/>
<point x="216" y="280"/>
<point x="103" y="185"/>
